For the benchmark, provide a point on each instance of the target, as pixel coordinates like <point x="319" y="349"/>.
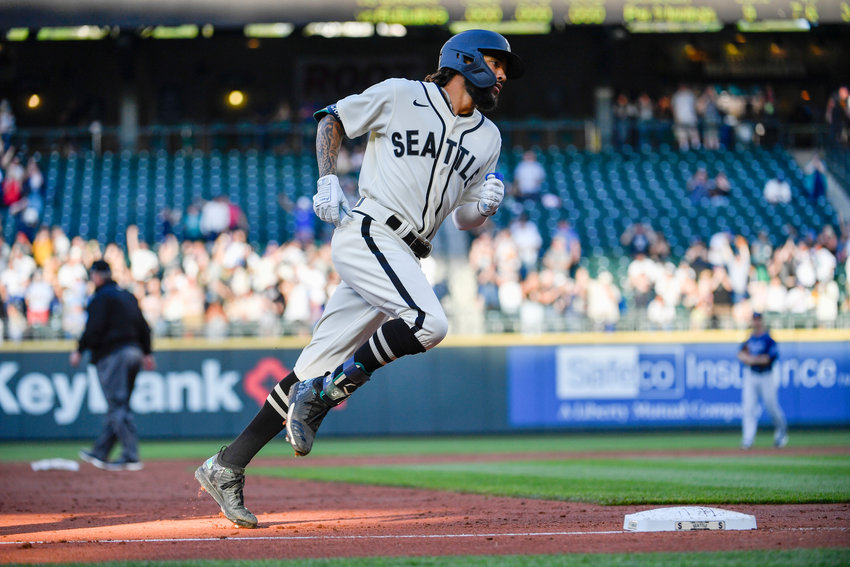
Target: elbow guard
<point x="329" y="109"/>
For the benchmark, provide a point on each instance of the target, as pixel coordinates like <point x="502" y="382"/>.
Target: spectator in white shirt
<point x="804" y="266"/>
<point x="603" y="302"/>
<point x="39" y="297"/>
<point x="825" y="263"/>
<point x="799" y="299"/>
<point x="826" y="307"/>
<point x="684" y="106"/>
<point x="661" y="314"/>
<point x="215" y="217"/>
<point x="528" y="240"/>
<point x="775" y="297"/>
<point x="777" y="190"/>
<point x="529" y="176"/>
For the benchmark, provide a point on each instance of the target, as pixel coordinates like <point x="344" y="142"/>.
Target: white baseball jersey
<point x="421" y="163"/>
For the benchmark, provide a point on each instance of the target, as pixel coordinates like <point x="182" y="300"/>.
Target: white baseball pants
<point x="381" y="280"/>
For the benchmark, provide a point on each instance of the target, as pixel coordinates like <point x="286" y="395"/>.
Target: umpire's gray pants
<point x="117" y="373"/>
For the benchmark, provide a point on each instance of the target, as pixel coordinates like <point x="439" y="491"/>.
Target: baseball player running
<point x="759" y="352"/>
<point x="431" y="153"/>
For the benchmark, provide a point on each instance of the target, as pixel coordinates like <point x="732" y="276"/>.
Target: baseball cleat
<point x="308" y="406"/>
<point x="225" y="486"/>
<point x="781" y="441"/>
<point x="93" y="459"/>
<point x="124" y="465"/>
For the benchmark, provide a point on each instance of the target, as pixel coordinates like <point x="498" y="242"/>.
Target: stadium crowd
<point x="210" y="281"/>
<point x="227" y="287"/>
<point x="718" y="284"/>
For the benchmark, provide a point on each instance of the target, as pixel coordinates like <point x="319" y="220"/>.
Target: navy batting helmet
<point x="465" y="51"/>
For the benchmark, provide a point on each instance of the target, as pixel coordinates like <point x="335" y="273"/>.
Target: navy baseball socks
<point x="222" y="476"/>
<point x="264" y="427"/>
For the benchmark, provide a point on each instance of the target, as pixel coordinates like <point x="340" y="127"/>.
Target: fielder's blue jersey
<point x="757" y="345"/>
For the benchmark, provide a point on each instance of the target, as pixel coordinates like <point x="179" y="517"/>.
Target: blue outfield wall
<point x="503" y="384"/>
<point x="669" y="385"/>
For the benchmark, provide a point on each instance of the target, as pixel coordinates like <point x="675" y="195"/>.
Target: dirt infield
<point x="157" y="514"/>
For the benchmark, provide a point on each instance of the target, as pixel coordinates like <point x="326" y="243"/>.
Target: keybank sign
<point x="621" y="385"/>
<point x="63" y="396"/>
<point x="190" y="393"/>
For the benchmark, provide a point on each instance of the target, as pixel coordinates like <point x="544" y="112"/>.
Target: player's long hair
<point x="442" y="77"/>
<point x="483" y="98"/>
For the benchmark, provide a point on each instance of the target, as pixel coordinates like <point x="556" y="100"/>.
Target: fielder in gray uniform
<point x="430" y="154"/>
<point x="759" y="352"/>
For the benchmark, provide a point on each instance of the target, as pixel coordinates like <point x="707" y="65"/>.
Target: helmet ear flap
<point x="474" y="68"/>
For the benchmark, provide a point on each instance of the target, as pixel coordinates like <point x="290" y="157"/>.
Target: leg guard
<point x="310" y="402"/>
<point x="336" y="388"/>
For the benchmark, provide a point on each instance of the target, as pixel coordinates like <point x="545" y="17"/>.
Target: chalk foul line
<point x="363" y="537"/>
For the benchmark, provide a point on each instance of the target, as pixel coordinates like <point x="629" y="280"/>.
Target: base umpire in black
<point x="119" y="339"/>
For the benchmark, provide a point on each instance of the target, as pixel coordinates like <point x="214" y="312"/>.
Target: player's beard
<point x="484" y="99"/>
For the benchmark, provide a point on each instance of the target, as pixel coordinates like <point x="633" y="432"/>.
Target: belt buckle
<point x="421" y="248"/>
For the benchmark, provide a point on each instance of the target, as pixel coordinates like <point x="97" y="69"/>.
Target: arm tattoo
<point x="328" y="141"/>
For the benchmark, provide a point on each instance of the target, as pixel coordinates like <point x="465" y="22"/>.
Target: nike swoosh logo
<point x="417" y="103"/>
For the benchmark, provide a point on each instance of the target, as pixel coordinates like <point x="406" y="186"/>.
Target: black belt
<point x="420" y="247"/>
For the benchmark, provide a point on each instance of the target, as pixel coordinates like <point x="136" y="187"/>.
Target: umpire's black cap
<point x="100" y="266"/>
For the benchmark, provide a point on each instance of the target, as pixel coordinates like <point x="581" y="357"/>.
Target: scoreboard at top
<point x="600" y="12"/>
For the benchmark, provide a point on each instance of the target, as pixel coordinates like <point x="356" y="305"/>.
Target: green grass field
<point x="390" y="446"/>
<point x="595" y="475"/>
<point x="659" y="468"/>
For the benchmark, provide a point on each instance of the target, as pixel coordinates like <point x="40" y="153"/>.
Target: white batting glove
<point x="329" y="202"/>
<point x="492" y="195"/>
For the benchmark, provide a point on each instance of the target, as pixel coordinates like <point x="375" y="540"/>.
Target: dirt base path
<point x="157" y="514"/>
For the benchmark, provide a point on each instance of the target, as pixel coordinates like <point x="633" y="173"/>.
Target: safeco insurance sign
<point x="658" y="385"/>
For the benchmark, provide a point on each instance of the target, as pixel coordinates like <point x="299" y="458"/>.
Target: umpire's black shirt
<point x="114" y="321"/>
